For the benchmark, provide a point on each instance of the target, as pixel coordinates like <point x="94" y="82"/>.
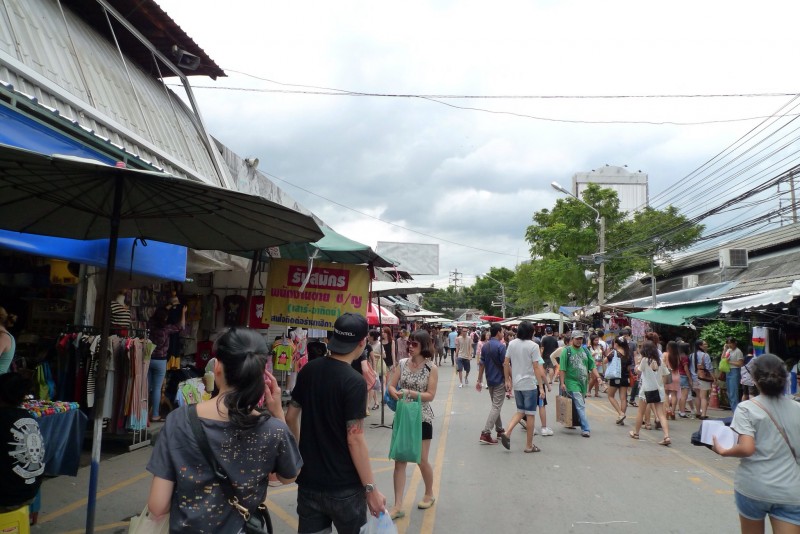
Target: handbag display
<point x="614" y="369"/>
<point x="406" y="443"/>
<point x="257" y="522"/>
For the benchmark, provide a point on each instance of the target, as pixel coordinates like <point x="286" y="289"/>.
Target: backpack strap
<point x="779" y="427"/>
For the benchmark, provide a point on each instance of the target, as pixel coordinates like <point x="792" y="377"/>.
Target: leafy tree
<point x="485" y="291"/>
<point x="559" y="236"/>
<point x="718" y="332"/>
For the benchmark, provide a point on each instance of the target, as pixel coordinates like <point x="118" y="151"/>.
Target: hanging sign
<point x="331" y="290"/>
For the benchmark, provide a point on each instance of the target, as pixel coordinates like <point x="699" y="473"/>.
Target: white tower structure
<point x="631" y="187"/>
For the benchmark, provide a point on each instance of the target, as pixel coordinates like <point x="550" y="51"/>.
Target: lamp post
<point x="599" y="257"/>
<point x="502" y="294"/>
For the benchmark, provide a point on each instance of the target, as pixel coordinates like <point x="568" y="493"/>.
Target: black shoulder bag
<point x="254" y="523"/>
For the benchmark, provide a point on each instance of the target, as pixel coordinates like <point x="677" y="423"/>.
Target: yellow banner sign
<point x="331" y="290"/>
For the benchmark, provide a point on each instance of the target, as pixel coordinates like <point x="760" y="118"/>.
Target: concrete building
<point x="631" y="187"/>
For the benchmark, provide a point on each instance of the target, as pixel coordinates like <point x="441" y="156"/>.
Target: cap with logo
<point x="576" y="334"/>
<point x="348" y="331"/>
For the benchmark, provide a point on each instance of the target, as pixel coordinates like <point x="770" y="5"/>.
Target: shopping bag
<point x="145" y="524"/>
<point x="564" y="410"/>
<point x="389" y="401"/>
<point x="614" y="369"/>
<point x="379" y="525"/>
<point x="725" y="365"/>
<point x="407" y="432"/>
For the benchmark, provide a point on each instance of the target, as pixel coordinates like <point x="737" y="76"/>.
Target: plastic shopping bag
<point x="379" y="525"/>
<point x="407" y="432"/>
<point x="145" y="524"/>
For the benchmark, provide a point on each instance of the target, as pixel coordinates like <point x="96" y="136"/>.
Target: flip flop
<point x="424" y="505"/>
<point x="665" y="442"/>
<point x="399" y="514"/>
<point x="534" y="448"/>
<point x="621" y="419"/>
<point x="633" y="434"/>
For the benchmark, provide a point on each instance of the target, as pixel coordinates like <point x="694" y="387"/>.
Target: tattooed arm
<point x="293" y="418"/>
<point x="359" y="453"/>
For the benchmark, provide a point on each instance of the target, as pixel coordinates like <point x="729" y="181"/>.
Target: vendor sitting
<point x="21" y="446"/>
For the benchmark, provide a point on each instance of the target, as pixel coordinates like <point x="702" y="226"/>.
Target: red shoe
<point x="487" y="439"/>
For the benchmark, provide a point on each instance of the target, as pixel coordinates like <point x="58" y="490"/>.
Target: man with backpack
<point x="576" y="363"/>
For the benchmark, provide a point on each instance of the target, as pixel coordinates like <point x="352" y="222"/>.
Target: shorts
<point x="702" y="385"/>
<point x="623" y="382"/>
<point x="345" y="508"/>
<point x="427" y="431"/>
<point x="462" y="364"/>
<point x="756" y="510"/>
<point x="527" y="400"/>
<point x="684" y="382"/>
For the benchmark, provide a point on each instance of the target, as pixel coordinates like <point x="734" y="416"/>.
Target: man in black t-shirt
<point x="549" y="344"/>
<point x="336" y="484"/>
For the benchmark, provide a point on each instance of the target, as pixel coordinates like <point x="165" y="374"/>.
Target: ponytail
<point x="243" y="355"/>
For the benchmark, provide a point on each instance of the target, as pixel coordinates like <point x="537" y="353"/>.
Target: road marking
<point x="287" y="518"/>
<point x="82" y="502"/>
<point x="101" y="528"/>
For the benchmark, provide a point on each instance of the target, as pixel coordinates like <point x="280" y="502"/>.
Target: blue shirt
<point x="451" y="337"/>
<point x="493" y="354"/>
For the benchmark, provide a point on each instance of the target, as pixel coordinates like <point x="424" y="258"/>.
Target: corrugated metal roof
<point x="152" y="22"/>
<point x="95" y="92"/>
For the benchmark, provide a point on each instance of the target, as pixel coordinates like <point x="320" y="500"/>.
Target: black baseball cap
<point x="549" y="329"/>
<point x="348" y="331"/>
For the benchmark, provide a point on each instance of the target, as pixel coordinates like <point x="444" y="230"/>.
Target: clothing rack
<point x="140" y="436"/>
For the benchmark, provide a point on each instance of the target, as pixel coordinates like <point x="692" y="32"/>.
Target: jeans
<point x="580" y="407"/>
<point x="345" y="508"/>
<point x="498" y="396"/>
<point x="155" y="378"/>
<point x="732" y="379"/>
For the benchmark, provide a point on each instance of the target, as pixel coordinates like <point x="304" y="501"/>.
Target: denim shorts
<point x="345" y="508"/>
<point x="527" y="401"/>
<point x="463" y="364"/>
<point x="684" y="382"/>
<point x="757" y="510"/>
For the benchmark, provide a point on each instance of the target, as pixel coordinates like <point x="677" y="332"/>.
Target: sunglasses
<point x="414" y="344"/>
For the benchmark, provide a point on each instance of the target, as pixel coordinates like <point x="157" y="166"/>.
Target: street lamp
<point x="502" y="294"/>
<point x="599" y="258"/>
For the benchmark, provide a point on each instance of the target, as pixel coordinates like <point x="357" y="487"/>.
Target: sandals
<point x="633" y="434"/>
<point x="621" y="419"/>
<point x="648" y="426"/>
<point x="424" y="505"/>
<point x="533" y="448"/>
<point x="397" y="514"/>
<point x="665" y="442"/>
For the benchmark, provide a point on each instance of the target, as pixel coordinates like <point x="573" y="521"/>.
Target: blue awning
<point x="159" y="260"/>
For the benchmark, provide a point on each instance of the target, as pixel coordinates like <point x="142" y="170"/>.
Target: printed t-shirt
<point x="283" y="357"/>
<point x="330" y="393"/>
<point x="576" y="364"/>
<point x="246" y="456"/>
<point x="21" y="457"/>
<point x="522" y="354"/>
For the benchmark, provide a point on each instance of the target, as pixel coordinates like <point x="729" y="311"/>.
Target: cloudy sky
<point x="414" y="170"/>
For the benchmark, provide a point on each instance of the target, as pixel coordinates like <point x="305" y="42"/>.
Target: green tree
<point x="559" y="236"/>
<point x="485" y="291"/>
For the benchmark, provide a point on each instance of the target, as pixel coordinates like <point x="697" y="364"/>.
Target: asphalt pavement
<point x="606" y="483"/>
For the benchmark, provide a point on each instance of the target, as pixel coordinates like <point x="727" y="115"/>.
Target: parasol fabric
<point x="386" y="317"/>
<point x="491" y="318"/>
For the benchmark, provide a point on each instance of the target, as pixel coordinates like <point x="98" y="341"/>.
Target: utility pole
<point x="794" y="201"/>
<point x="455" y="278"/>
<point x="502" y="295"/>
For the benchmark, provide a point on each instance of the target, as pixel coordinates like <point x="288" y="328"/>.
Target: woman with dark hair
<point x="767" y="481"/>
<point x="651" y="372"/>
<point x="8" y="344"/>
<point x="249" y="443"/>
<point x="597" y="353"/>
<point x="674" y="387"/>
<point x="524" y="372"/>
<point x="417" y="378"/>
<point x="21" y="446"/>
<point x="686" y="380"/>
<point x="700" y="367"/>
<point x="389" y="347"/>
<point x="622" y="383"/>
<point x="160" y="330"/>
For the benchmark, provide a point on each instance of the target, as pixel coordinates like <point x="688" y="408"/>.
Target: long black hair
<point x="649" y="350"/>
<point x="243" y="354"/>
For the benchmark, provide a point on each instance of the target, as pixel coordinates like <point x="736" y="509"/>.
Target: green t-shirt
<point x="576" y="364"/>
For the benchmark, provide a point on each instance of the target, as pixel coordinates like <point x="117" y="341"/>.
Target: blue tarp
<point x="160" y="260"/>
<point x="156" y="259"/>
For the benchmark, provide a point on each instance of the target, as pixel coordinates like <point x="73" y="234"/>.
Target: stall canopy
<point x="333" y="247"/>
<point x="384" y="289"/>
<point x="763" y="299"/>
<point x="544" y="316"/>
<point x="384" y="316"/>
<point x="159" y="260"/>
<point x="680" y="315"/>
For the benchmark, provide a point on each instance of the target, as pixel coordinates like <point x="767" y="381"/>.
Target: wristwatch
<point x="369" y="488"/>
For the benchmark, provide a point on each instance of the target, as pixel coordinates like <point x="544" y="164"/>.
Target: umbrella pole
<point x="100" y="382"/>
<point x="380" y="331"/>
<point x="251" y="284"/>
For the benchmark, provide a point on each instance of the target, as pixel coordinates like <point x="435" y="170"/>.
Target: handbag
<point x="666" y="375"/>
<point x="614" y="369"/>
<point x="406" y="443"/>
<point x="257" y="522"/>
<point x="702" y="373"/>
<point x="145" y="524"/>
<point x="388" y="400"/>
<point x="564" y="410"/>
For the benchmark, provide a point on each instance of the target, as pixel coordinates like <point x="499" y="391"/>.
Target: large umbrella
<point x="379" y="316"/>
<point x="84" y="199"/>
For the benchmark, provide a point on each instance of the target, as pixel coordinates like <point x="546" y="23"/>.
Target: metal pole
<point x="794" y="202"/>
<point x="251" y="284"/>
<point x="601" y="282"/>
<point x="653" y="279"/>
<point x="100" y="382"/>
<point x="503" y="299"/>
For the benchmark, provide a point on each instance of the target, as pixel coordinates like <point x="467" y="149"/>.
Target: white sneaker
<point x="547" y="431"/>
<point x="461" y="385"/>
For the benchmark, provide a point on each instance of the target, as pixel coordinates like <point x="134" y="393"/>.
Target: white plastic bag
<point x="145" y="524"/>
<point x="379" y="525"/>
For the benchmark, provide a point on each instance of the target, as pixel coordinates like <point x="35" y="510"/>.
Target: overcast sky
<point x="471" y="177"/>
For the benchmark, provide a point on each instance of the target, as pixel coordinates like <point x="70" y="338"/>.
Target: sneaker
<point x="506" y="441"/>
<point x="461" y="385"/>
<point x="585" y="434"/>
<point x="683" y="415"/>
<point x="487" y="439"/>
<point x="547" y="431"/>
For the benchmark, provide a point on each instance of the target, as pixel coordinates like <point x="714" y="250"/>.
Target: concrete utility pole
<point x="599" y="258"/>
<point x="502" y="295"/>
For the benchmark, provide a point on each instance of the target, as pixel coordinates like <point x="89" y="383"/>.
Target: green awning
<point x="677" y="315"/>
<point x="336" y="248"/>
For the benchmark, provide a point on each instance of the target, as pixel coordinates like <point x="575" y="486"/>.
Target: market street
<point x="574" y="485"/>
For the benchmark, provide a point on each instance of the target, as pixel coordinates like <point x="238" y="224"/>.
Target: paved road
<point x="608" y="483"/>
